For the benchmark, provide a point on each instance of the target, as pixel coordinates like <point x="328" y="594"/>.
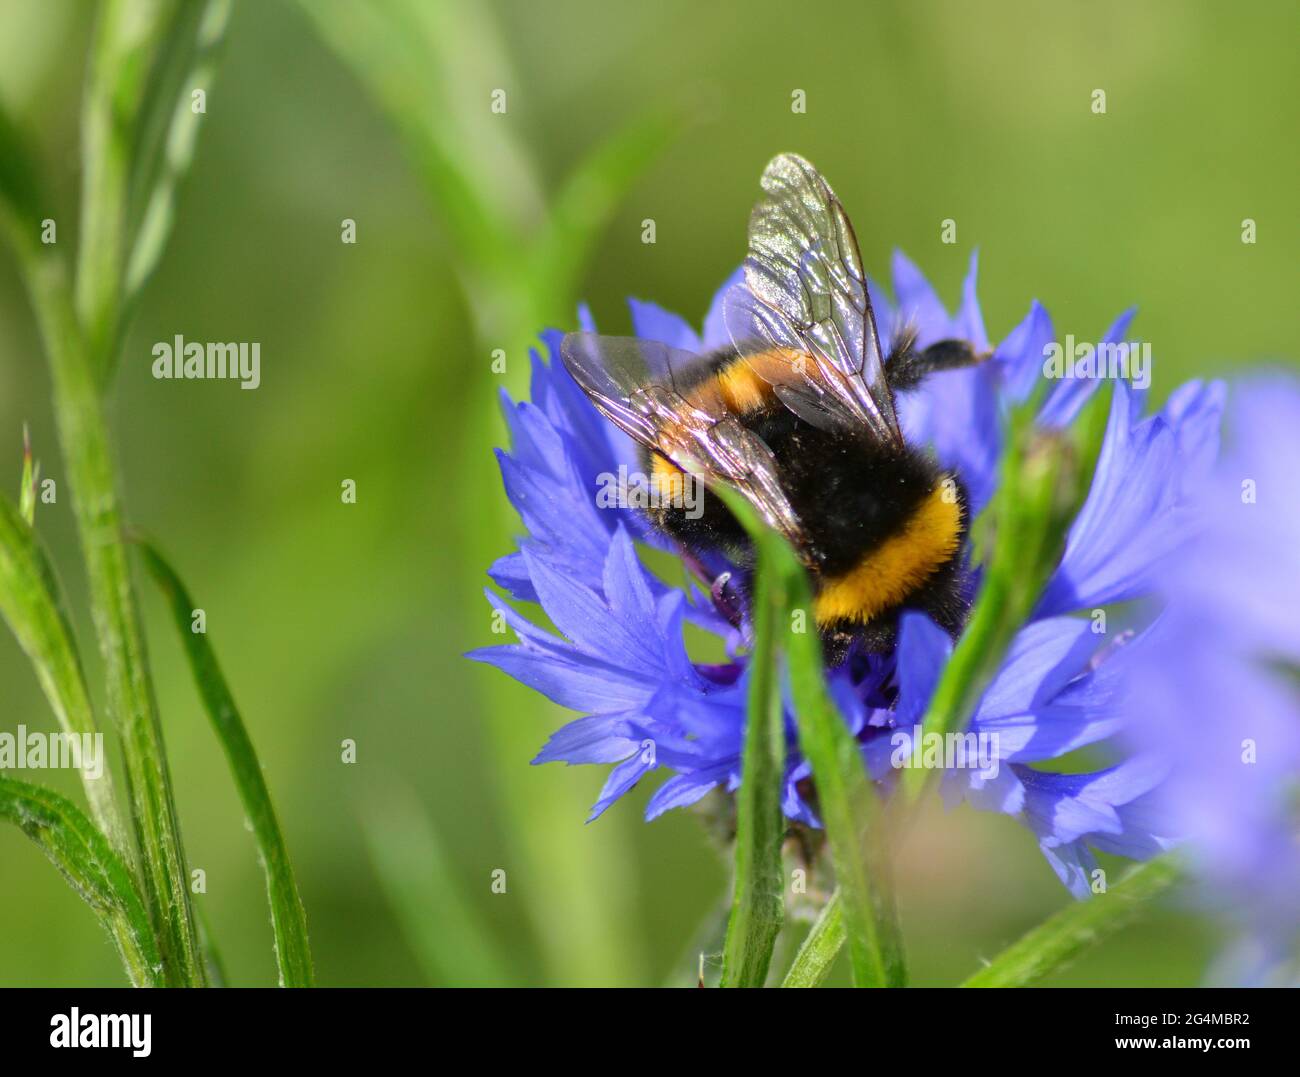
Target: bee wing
<point x="635" y="384"/>
<point x="806" y="293"/>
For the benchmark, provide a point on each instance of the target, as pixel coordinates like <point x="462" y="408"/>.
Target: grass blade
<point x="167" y="131"/>
<point x="522" y="253"/>
<point x="424" y="65"/>
<point x="850" y="809"/>
<point x="758" y="905"/>
<point x="581" y="209"/>
<point x="812" y="964"/>
<point x="85" y="858"/>
<point x="288" y="918"/>
<point x="453" y="946"/>
<point x="1054" y="943"/>
<point x="83" y="435"/>
<point x="20" y="188"/>
<point x="79" y="323"/>
<point x="211" y="952"/>
<point x="416" y="60"/>
<point x="30" y="604"/>
<point x="847" y="802"/>
<point x="138" y="135"/>
<point x="124" y="42"/>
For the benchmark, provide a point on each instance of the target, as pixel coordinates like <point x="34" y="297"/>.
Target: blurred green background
<point x="337" y="621"/>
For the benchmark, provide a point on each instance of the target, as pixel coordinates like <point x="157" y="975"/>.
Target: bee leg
<point x="907" y="366"/>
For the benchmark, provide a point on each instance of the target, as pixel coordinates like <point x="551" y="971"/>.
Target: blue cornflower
<point x="620" y="658"/>
<point x="1219" y="696"/>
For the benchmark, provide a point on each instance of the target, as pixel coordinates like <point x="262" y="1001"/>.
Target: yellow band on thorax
<point x="745" y="383"/>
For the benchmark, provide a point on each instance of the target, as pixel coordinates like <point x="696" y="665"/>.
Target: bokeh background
<point x="337" y="621"/>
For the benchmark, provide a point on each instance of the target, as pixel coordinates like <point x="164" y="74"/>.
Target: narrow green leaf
<point x="167" y="130"/>
<point x="463" y="58"/>
<point x="29" y="602"/>
<point x="850" y="809"/>
<point x="288" y="918"/>
<point x="20" y="188"/>
<point x="139" y="128"/>
<point x="1053" y="944"/>
<point x="78" y="326"/>
<point x="432" y="69"/>
<point x="122" y="48"/>
<point x="211" y="952"/>
<point x="418" y="62"/>
<point x="87" y="455"/>
<point x="847" y="802"/>
<point x="423" y="65"/>
<point x="812" y="964"/>
<point x="582" y="207"/>
<point x="450" y="940"/>
<point x="758" y="905"/>
<point x="93" y="869"/>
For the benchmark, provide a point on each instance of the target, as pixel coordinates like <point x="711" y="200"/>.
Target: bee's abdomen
<point x="886" y="576"/>
<point x="885" y="525"/>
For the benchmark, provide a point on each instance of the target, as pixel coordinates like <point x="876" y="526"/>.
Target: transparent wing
<point x="647" y="389"/>
<point x="805" y="293"/>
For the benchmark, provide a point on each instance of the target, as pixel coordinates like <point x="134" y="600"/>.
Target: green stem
<point x="216" y="964"/>
<point x="812" y="964"/>
<point x="288" y="917"/>
<point x="856" y="822"/>
<point x="1055" y="942"/>
<point x="441" y="921"/>
<point x="84" y="439"/>
<point x="518" y="267"/>
<point x="124" y="37"/>
<point x="856" y="825"/>
<point x="758" y="905"/>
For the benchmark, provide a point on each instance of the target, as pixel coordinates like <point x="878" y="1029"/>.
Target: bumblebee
<point x="797" y="414"/>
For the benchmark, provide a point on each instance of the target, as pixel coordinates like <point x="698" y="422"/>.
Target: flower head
<point x="621" y="660"/>
<point x="1219" y="697"/>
